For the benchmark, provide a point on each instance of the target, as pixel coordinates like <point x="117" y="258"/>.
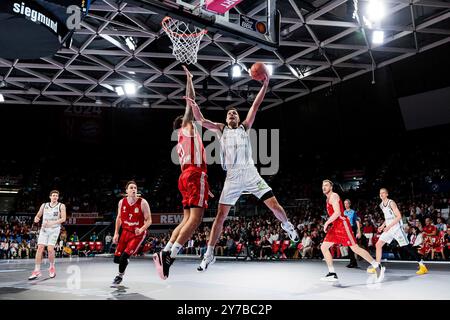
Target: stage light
<point x="236" y="71"/>
<point x="270" y="69"/>
<point x="375" y="10"/>
<point x="119" y="91"/>
<point x="377" y="37"/>
<point x="130" y="88"/>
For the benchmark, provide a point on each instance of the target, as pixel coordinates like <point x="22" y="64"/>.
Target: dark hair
<point x="177" y="122"/>
<point x="231" y="108"/>
<point x="130" y="182"/>
<point x="54" y="191"/>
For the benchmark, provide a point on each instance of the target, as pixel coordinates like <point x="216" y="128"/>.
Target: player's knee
<point x="324" y="247"/>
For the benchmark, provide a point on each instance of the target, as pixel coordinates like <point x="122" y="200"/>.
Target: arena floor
<point x="90" y="278"/>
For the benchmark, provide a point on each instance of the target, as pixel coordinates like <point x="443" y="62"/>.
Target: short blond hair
<point x="329" y="181"/>
<point x="385" y="190"/>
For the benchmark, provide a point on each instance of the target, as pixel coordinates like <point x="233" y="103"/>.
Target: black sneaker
<point x="331" y="277"/>
<point x="117" y="280"/>
<point x="166" y="262"/>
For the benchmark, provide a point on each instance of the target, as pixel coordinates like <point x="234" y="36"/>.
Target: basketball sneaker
<point x="157" y="260"/>
<point x="207" y="260"/>
<point x="330" y="277"/>
<point x="289" y="228"/>
<point x="422" y="269"/>
<point x="117" y="280"/>
<point x="380" y="272"/>
<point x="163" y="261"/>
<point x="35" y="275"/>
<point x="371" y="269"/>
<point x="52" y="272"/>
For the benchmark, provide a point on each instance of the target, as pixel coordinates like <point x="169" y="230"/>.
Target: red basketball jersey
<point x="330" y="209"/>
<point x="131" y="215"/>
<point x="191" y="151"/>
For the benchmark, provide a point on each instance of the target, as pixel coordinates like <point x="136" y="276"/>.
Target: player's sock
<point x="168" y="246"/>
<point x="52" y="264"/>
<point x="375" y="264"/>
<point x="209" y="251"/>
<point x="421" y="263"/>
<point x="175" y="249"/>
<point x="121" y="274"/>
<point x="37" y="267"/>
<point x="331" y="269"/>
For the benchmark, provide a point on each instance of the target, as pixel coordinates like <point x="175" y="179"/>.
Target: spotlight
<point x="130" y="88"/>
<point x="2" y="84"/>
<point x="2" y="99"/>
<point x="130" y="43"/>
<point x="375" y="10"/>
<point x="145" y="103"/>
<point x="98" y="101"/>
<point x="377" y="37"/>
<point x="236" y="71"/>
<point x="229" y="96"/>
<point x="270" y="69"/>
<point x="119" y="91"/>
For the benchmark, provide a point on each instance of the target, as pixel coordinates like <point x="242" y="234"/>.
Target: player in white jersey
<point x="242" y="175"/>
<point x="53" y="214"/>
<point x="392" y="228"/>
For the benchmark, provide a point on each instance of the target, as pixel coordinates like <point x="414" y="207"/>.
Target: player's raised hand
<point x="188" y="73"/>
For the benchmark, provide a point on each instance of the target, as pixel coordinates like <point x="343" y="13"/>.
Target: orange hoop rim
<point x="166" y="29"/>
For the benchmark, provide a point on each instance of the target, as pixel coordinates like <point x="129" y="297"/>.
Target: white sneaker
<point x="380" y="273"/>
<point x="330" y="277"/>
<point x="289" y="228"/>
<point x="207" y="260"/>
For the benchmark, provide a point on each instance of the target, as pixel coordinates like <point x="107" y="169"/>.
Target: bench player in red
<point x="340" y="232"/>
<point x="193" y="184"/>
<point x="134" y="216"/>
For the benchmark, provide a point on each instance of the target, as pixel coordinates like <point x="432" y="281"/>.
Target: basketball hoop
<point x="185" y="39"/>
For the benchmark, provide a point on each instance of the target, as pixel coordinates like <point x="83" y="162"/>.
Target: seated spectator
<point x="230" y="246"/>
<point x="368" y="231"/>
<point x="447" y="244"/>
<point x="93" y="237"/>
<point x="203" y="245"/>
<point x="190" y="246"/>
<point x="307" y="246"/>
<point x="4" y="249"/>
<point x="108" y="242"/>
<point x="221" y="246"/>
<point x="265" y="248"/>
<point x="415" y="238"/>
<point x="74" y="237"/>
<point x="441" y="225"/>
<point x="24" y="250"/>
<point x="13" y="249"/>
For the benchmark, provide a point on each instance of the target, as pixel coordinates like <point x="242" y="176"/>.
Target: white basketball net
<point x="185" y="39"/>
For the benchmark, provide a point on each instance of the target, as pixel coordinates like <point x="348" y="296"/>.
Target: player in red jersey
<point x="134" y="216"/>
<point x="193" y="184"/>
<point x="340" y="232"/>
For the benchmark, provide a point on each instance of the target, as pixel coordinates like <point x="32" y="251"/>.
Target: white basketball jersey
<point x="389" y="215"/>
<point x="236" y="148"/>
<point x="51" y="213"/>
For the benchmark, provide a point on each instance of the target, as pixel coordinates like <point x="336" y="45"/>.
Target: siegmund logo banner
<point x="39" y="26"/>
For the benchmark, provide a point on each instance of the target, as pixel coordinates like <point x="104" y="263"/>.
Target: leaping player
<point x="134" y="216"/>
<point x="192" y="184"/>
<point x="53" y="214"/>
<point x="242" y="175"/>
<point x="392" y="228"/>
<point x="340" y="232"/>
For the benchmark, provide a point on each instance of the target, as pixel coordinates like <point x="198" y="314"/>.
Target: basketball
<point x="258" y="71"/>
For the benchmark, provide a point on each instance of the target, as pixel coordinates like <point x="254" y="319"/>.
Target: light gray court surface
<point x="90" y="278"/>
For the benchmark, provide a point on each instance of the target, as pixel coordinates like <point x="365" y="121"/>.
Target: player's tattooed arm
<point x="248" y="122"/>
<point x="190" y="93"/>
<point x="208" y="124"/>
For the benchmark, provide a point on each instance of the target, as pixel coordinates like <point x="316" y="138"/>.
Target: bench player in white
<point x="392" y="228"/>
<point x="53" y="214"/>
<point x="242" y="175"/>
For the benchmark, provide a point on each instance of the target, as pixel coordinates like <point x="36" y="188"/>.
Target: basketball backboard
<point x="255" y="22"/>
